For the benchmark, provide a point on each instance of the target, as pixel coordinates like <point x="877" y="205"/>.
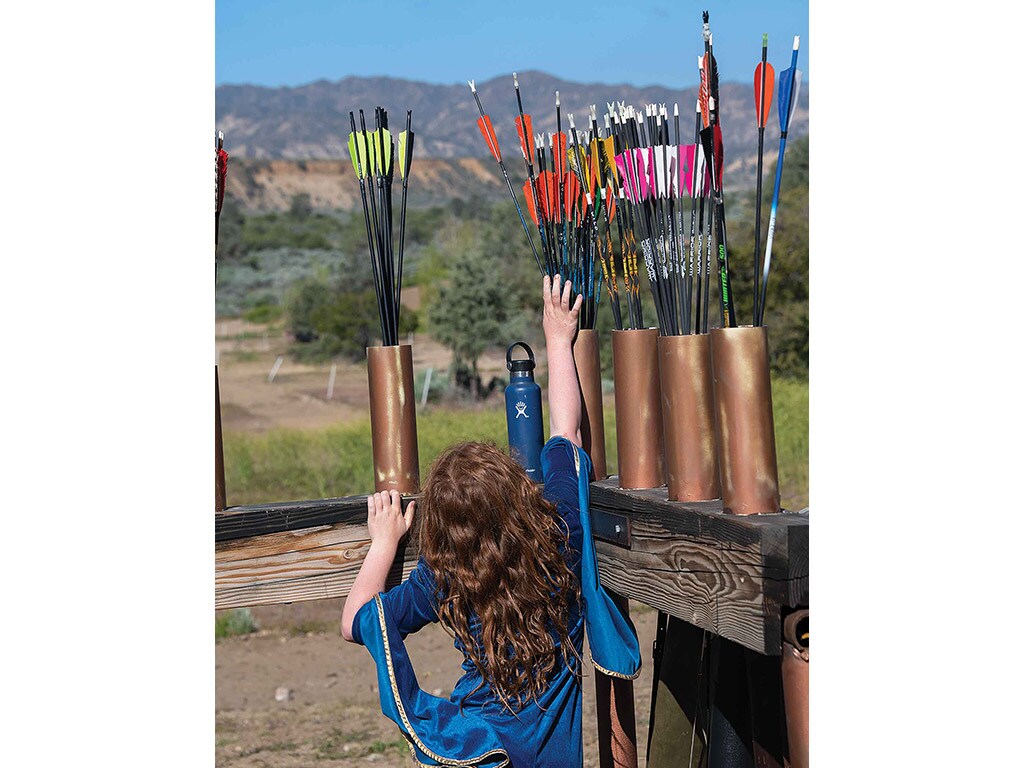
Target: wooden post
<point x="330" y="381"/>
<point x="220" y="501"/>
<point x="616" y="715"/>
<point x="275" y="369"/>
<point x="426" y="385"/>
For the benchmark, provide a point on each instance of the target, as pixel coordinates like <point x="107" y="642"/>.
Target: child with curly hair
<point x="509" y="568"/>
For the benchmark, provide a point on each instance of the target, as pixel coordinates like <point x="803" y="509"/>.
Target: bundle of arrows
<point x="630" y="177"/>
<point x="372" y="153"/>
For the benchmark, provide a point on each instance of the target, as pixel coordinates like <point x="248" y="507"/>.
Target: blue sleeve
<point x="561" y="488"/>
<point x="411" y="603"/>
<point x="561" y="480"/>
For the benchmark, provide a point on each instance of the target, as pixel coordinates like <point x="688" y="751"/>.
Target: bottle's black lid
<point x="520" y="366"/>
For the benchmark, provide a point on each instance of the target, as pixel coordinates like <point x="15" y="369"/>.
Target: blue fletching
<point x="789" y="90"/>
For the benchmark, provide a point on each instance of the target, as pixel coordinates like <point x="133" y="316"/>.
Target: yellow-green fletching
<point x="386" y="152"/>
<point x="403" y="142"/>
<point x="360" y="151"/>
<point x="353" y="154"/>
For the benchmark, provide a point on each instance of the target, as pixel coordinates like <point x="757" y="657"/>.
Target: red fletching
<point x="222" y="175"/>
<point x="763" y="101"/>
<point x="609" y="200"/>
<point x="484" y="124"/>
<point x="558" y="147"/>
<point x="526" y="141"/>
<point x="530" y="203"/>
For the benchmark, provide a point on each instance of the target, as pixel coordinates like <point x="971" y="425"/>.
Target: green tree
<point x="301" y="207"/>
<point x="476" y="309"/>
<point x="306" y="299"/>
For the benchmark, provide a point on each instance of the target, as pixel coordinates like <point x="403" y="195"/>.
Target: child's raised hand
<point x="559" y="319"/>
<point x="384" y="517"/>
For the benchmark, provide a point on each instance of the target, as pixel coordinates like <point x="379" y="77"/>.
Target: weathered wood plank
<point x="728" y="574"/>
<point x="258" y="520"/>
<point x="288" y="541"/>
<point x="725" y="573"/>
<point x="311" y="580"/>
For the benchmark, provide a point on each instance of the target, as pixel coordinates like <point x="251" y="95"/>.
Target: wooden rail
<point x="728" y="574"/>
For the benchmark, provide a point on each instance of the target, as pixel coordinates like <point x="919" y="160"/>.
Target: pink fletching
<point x="620" y="163"/>
<point x="640" y="164"/>
<point x="686" y="153"/>
<point x="652" y="180"/>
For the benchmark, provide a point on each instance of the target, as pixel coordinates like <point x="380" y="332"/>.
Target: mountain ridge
<point x="293" y="139"/>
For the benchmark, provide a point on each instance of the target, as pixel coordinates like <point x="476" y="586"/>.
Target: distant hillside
<point x="270" y="185"/>
<point x="311" y="122"/>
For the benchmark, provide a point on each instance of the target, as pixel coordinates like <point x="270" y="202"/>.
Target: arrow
<point x="789" y="91"/>
<point x="764" y="85"/>
<point x="711" y="140"/>
<point x="524" y="127"/>
<point x="405" y="142"/>
<point x="221" y="158"/>
<point x="358" y="154"/>
<point x="484" y="123"/>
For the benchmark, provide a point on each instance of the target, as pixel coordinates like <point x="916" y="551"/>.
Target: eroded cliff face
<point x="270" y="185"/>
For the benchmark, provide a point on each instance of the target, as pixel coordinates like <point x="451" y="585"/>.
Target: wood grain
<point x="725" y="573"/>
<point x="728" y="574"/>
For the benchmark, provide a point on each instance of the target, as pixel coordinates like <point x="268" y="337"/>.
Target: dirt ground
<point x="330" y="714"/>
<point x="297" y="397"/>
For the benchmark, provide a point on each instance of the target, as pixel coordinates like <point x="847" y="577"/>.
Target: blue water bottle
<point x="524" y="413"/>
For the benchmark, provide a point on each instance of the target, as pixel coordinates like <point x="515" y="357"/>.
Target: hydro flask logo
<point x="521" y="410"/>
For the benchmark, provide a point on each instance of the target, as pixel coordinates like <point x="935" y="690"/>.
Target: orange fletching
<point x="547" y="200"/>
<point x="530" y="202"/>
<point x="609" y="200"/>
<point x="572" y="192"/>
<point x="484" y="124"/>
<point x="763" y="106"/>
<point x="526" y="141"/>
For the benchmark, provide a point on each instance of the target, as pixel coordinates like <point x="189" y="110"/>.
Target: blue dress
<point x="540" y="734"/>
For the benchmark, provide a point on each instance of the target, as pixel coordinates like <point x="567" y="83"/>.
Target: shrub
<point x="238" y="621"/>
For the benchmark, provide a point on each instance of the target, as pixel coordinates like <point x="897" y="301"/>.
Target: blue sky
<point x="657" y="42"/>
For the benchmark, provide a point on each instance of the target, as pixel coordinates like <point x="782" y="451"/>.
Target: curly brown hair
<point x="492" y="541"/>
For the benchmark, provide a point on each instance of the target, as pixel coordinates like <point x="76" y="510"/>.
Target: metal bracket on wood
<point x="610" y="527"/>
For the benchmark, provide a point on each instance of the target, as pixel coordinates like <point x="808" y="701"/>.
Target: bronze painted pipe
<point x="220" y="502"/>
<point x="396" y="461"/>
<point x="586" y="351"/>
<point x="796" y="667"/>
<point x="744" y="420"/>
<point x="638" y="430"/>
<point x="688" y="417"/>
